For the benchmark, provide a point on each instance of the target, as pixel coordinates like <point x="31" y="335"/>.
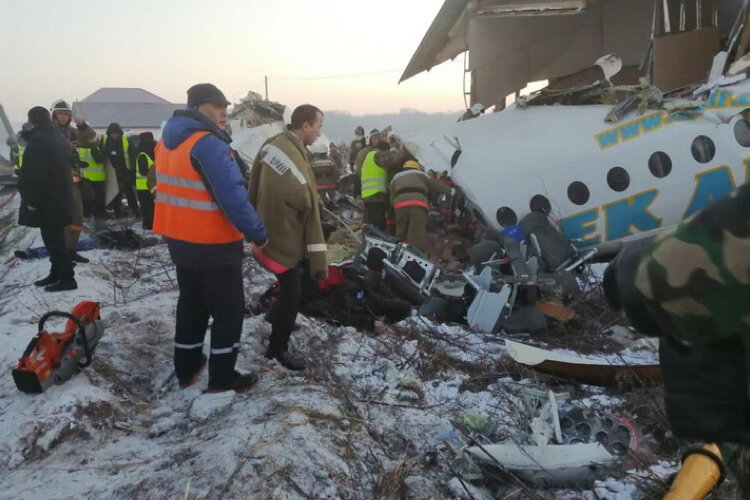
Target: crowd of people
<point x="195" y="191"/>
<point x="60" y="203"/>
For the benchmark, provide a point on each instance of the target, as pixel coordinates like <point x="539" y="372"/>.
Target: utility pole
<point x="266" y="80"/>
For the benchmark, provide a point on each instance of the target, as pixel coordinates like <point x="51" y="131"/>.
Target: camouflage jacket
<point x="695" y="280"/>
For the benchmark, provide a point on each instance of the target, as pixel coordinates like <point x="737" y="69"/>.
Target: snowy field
<point x="374" y="416"/>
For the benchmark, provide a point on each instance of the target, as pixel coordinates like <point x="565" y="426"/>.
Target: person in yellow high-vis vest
<point x="92" y="169"/>
<point x="374" y="189"/>
<point x="144" y="163"/>
<point x="116" y="148"/>
<point x="17" y="146"/>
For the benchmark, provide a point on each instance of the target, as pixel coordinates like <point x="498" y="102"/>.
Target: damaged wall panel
<point x="507" y="53"/>
<point x="684" y="58"/>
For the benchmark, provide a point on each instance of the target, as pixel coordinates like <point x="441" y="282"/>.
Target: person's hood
<point x="186" y="122"/>
<point x="114" y="128"/>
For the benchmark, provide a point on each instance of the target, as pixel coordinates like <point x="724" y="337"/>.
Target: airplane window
<point x="618" y="179"/>
<point x="578" y="193"/>
<point x="660" y="164"/>
<point x="540" y="203"/>
<point x="506" y="217"/>
<point x="742" y="133"/>
<point x="703" y="149"/>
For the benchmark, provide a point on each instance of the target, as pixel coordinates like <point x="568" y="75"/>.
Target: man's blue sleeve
<point x="211" y="157"/>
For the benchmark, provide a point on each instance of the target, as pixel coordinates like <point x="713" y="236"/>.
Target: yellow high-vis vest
<point x="374" y="177"/>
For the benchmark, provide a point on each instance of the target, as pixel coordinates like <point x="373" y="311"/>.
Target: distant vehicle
<point x="604" y="182"/>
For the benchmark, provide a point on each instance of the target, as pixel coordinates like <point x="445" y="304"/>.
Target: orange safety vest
<point x="184" y="209"/>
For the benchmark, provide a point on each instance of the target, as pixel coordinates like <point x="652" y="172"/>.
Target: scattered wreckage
<point x="655" y="130"/>
<point x="572" y="448"/>
<point x="594" y="371"/>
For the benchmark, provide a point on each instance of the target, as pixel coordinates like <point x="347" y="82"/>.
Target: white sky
<point x="70" y="48"/>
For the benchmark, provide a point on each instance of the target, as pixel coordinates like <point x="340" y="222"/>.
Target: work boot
<point x="185" y="383"/>
<point x="76" y="257"/>
<point x="241" y="382"/>
<point x="287" y="360"/>
<point x="269" y="319"/>
<point x="45" y="281"/>
<point x="61" y="286"/>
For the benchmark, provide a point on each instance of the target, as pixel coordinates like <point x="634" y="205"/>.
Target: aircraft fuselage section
<point x="602" y="183"/>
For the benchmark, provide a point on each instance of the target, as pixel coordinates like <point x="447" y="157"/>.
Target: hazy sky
<point x="70" y="48"/>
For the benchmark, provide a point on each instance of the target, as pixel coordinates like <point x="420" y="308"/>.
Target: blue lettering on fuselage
<point x="710" y="186"/>
<point x="608" y="138"/>
<point x="629" y="131"/>
<point x="631" y="213"/>
<point x="651" y="122"/>
<point x="627" y="216"/>
<point x="579" y="226"/>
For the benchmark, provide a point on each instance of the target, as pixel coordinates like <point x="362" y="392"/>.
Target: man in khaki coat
<point x="283" y="192"/>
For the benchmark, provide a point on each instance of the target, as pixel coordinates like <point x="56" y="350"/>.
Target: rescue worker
<point x="17" y="146"/>
<point x="203" y="213"/>
<point x="374" y="184"/>
<point x="116" y="149"/>
<point x="372" y="145"/>
<point x="46" y="189"/>
<point x="324" y="169"/>
<point x="282" y="188"/>
<point x="92" y="169"/>
<point x="357" y="144"/>
<point x="80" y="136"/>
<point x="691" y="287"/>
<point x="335" y="153"/>
<point x="410" y="190"/>
<point x="143" y="164"/>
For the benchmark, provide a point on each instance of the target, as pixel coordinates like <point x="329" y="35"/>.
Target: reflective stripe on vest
<point x="374" y="177"/>
<point x="140" y="180"/>
<point x="411" y="203"/>
<point x="184" y="209"/>
<point x="93" y="171"/>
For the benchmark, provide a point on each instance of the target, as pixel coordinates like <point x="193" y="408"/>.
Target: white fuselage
<point x="507" y="158"/>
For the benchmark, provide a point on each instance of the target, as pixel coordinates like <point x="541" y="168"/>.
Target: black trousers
<point x="217" y="293"/>
<point x="97" y="205"/>
<point x="126" y="181"/>
<point x="54" y="239"/>
<point x="284" y="310"/>
<point x="375" y="214"/>
<point x="146" y="202"/>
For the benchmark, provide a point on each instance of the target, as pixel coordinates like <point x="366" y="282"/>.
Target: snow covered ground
<point x="372" y="417"/>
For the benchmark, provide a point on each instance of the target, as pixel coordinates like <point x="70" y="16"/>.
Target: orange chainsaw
<point x="52" y="358"/>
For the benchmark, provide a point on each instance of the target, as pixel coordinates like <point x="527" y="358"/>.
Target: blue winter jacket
<point x="212" y="159"/>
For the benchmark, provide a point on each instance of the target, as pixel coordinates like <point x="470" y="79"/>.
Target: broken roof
<point x="512" y="43"/>
<point x="447" y="37"/>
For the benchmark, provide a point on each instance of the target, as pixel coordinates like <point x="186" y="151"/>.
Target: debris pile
<point x="399" y="409"/>
<point x="253" y="110"/>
